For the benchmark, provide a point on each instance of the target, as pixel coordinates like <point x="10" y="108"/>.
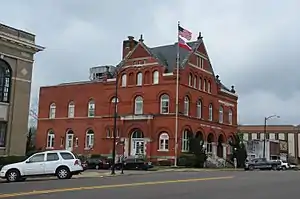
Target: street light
<point x="115" y="125"/>
<point x="265" y="132"/>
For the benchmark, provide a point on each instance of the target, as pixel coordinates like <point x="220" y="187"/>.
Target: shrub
<point x="187" y="160"/>
<point x="164" y="162"/>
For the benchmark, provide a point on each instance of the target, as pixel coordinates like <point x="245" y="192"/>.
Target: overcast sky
<point x="254" y="45"/>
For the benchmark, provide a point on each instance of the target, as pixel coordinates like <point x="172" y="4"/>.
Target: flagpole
<point x="177" y="96"/>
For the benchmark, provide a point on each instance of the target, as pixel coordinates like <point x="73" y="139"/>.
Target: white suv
<point x="60" y="163"/>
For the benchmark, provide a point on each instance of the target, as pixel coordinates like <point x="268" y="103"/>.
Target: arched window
<point x="200" y="83"/>
<point x="113" y="101"/>
<point x="195" y="82"/>
<point x="50" y="139"/>
<point x="71" y="109"/>
<point x="199" y="109"/>
<point x="190" y="79"/>
<point x="5" y="81"/>
<point x="221" y="115"/>
<point x="164" y="142"/>
<point x="204" y="85"/>
<point x="139" y="79"/>
<point x="186" y="106"/>
<point x="155" y="77"/>
<point x="185" y="141"/>
<point x="52" y="111"/>
<point x="91" y="108"/>
<point x="138" y="105"/>
<point x="89" y="139"/>
<point x="164" y="104"/>
<point x="124" y="80"/>
<point x="108" y="133"/>
<point x="210" y="112"/>
<point x="209" y="87"/>
<point x="230" y="116"/>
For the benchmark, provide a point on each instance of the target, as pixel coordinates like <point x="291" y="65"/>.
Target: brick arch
<point x="164" y="129"/>
<point x="135" y="95"/>
<point x="188" y="94"/>
<point x="160" y="93"/>
<point x="186" y="127"/>
<point x="223" y="135"/>
<point x="200" y="129"/>
<point x="213" y="133"/>
<point x="131" y="127"/>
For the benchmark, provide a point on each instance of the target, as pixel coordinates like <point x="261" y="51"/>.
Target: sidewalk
<point x="107" y="173"/>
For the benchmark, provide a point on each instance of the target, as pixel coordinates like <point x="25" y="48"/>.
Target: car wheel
<point x="97" y="167"/>
<point x="63" y="173"/>
<point x="251" y="168"/>
<point x="274" y="167"/>
<point x="13" y="175"/>
<point x="284" y="168"/>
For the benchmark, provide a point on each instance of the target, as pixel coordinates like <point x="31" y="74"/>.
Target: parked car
<point x="98" y="163"/>
<point x="284" y="165"/>
<point x="134" y="164"/>
<point x="61" y="163"/>
<point x="262" y="164"/>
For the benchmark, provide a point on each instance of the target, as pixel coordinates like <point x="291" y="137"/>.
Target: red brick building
<point x="79" y="116"/>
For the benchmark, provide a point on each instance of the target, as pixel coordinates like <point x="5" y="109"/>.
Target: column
<point x="126" y="147"/>
<point x="224" y="145"/>
<point x="214" y="149"/>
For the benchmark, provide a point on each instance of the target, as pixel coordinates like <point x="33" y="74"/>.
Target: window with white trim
<point x="200" y="61"/>
<point x="108" y="133"/>
<point x="195" y="82"/>
<point x="200" y="83"/>
<point x="209" y="87"/>
<point x="91" y="108"/>
<point x="185" y="141"/>
<point x="230" y="116"/>
<point x="199" y="109"/>
<point x="89" y="139"/>
<point x="71" y="110"/>
<point x="164" y="142"/>
<point x="190" y="79"/>
<point x="52" y="111"/>
<point x="50" y="139"/>
<point x="164" y="104"/>
<point x="139" y="79"/>
<point x="138" y="105"/>
<point x="210" y="112"/>
<point x="221" y="115"/>
<point x="155" y="77"/>
<point x="204" y="85"/>
<point x="124" y="80"/>
<point x="186" y="106"/>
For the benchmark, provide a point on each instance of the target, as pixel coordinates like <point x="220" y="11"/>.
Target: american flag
<point x="184" y="33"/>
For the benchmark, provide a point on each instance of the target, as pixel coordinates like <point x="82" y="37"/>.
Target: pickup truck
<point x="262" y="164"/>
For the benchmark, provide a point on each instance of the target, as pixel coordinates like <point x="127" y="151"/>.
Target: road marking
<point x="9" y="195"/>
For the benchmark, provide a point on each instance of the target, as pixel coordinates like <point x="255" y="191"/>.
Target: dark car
<point x="98" y="163"/>
<point x="134" y="164"/>
<point x="262" y="164"/>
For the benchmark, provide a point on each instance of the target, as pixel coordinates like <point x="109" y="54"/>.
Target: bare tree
<point x="33" y="112"/>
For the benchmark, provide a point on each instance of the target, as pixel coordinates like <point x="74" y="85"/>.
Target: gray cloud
<point x="252" y="44"/>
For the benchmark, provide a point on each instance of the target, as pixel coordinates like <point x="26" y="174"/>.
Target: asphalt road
<point x="169" y="185"/>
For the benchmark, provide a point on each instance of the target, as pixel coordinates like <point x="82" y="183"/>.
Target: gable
<point x="202" y="50"/>
<point x="138" y="52"/>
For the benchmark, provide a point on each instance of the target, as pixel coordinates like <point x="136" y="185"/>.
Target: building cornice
<point x="20" y="42"/>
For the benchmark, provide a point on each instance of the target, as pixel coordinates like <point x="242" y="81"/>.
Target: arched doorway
<point x="69" y="140"/>
<point x="199" y="135"/>
<point x="221" y="140"/>
<point x="137" y="143"/>
<point x="230" y="142"/>
<point x="210" y="140"/>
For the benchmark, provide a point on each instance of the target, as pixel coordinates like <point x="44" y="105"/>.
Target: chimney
<point x="128" y="45"/>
